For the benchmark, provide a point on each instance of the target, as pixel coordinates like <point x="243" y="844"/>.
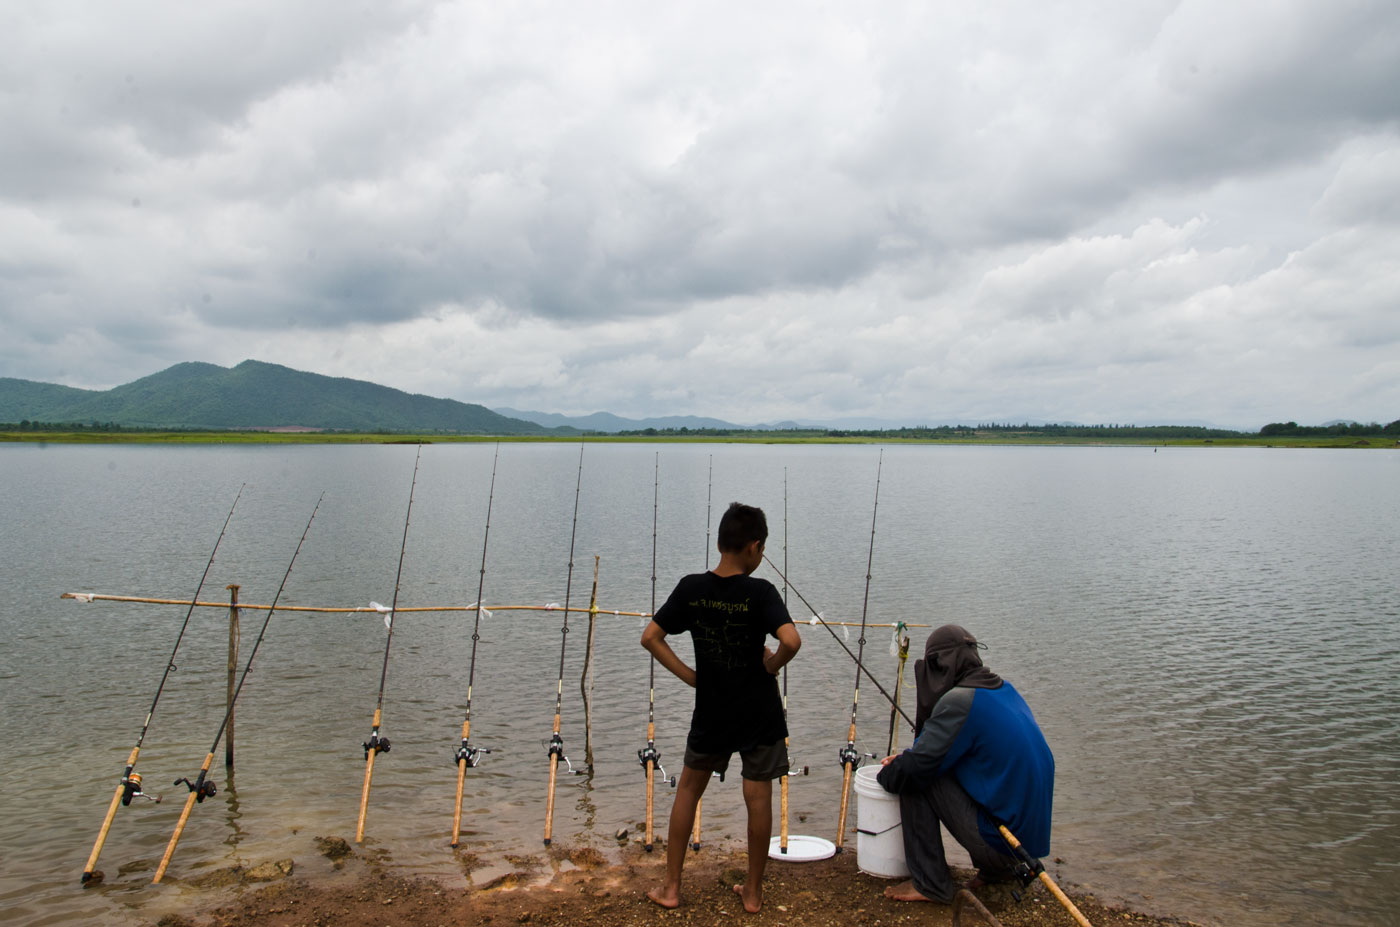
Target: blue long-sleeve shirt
<point x="989" y="740"/>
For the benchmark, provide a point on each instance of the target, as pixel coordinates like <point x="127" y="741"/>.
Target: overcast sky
<point x="1099" y="212"/>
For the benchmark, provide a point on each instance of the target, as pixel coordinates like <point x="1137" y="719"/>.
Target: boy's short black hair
<point x="741" y="525"/>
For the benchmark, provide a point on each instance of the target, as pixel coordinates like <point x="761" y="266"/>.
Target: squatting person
<point x="978" y="760"/>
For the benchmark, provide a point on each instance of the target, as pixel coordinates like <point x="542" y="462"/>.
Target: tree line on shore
<point x="915" y="433"/>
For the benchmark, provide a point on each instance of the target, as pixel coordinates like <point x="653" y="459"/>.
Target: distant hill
<point x="253" y="395"/>
<point x="608" y="423"/>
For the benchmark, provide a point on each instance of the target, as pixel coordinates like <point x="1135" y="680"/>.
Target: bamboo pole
<point x="898" y="684"/>
<point x="461" y="783"/>
<point x="89" y="869"/>
<point x="848" y="763"/>
<point x="371" y="751"/>
<point x="783" y="825"/>
<point x="368" y="610"/>
<point x="233" y="632"/>
<point x="651" y="783"/>
<point x="197" y="793"/>
<point x="585" y="682"/>
<point x="555" y="750"/>
<point x="1045" y="879"/>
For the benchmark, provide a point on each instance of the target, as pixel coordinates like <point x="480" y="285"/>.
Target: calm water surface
<point x="1209" y="638"/>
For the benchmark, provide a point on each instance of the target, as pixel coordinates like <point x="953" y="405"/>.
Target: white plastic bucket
<point x="879" y="836"/>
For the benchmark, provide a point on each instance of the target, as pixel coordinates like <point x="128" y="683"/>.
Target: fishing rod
<point x="787" y="740"/>
<point x="848" y="756"/>
<point x="1028" y="868"/>
<point x="202" y="787"/>
<point x="709" y="498"/>
<point x="556" y="743"/>
<point x="649" y="756"/>
<point x="468" y="756"/>
<point x="129" y="786"/>
<point x="376" y="744"/>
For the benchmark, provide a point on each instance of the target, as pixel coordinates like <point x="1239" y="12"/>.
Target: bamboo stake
<point x="1044" y="877"/>
<point x="585" y="682"/>
<point x="898" y="684"/>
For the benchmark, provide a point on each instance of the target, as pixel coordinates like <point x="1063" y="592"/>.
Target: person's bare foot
<point x="905" y="891"/>
<point x="752" y="905"/>
<point x="665" y="898"/>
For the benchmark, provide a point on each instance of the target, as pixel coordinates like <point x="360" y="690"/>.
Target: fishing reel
<point x="1028" y="868"/>
<point x="131" y="788"/>
<point x="201" y="787"/>
<point x="470" y="755"/>
<point x="377" y="744"/>
<point x="649" y="754"/>
<point x="556" y="748"/>
<point x="798" y="771"/>
<point x="848" y="756"/>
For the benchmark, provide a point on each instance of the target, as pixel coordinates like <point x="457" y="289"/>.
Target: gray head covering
<point x="950" y="659"/>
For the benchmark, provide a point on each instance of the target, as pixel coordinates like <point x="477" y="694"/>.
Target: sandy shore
<point x="588" y="889"/>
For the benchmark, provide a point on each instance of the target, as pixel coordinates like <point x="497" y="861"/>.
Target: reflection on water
<point x="1208" y="637"/>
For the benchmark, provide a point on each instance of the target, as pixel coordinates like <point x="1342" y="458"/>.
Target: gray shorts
<point x="760" y="764"/>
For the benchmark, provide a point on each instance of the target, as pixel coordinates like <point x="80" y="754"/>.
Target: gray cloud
<point x="939" y="212"/>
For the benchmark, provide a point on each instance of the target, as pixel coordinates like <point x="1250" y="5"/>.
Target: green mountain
<point x="254" y="395"/>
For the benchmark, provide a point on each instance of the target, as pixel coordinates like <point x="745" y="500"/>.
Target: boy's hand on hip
<point x="768" y="666"/>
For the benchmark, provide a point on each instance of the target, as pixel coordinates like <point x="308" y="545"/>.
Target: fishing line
<point x="376" y="744"/>
<point x="467" y="756"/>
<point x="556" y="743"/>
<point x="202" y="787"/>
<point x="818" y="619"/>
<point x="130" y="785"/>
<point x="848" y="756"/>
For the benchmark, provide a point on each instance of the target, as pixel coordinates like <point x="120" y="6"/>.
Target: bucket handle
<point x="877" y="833"/>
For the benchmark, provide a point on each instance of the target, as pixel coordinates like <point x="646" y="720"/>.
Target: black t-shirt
<point x="737" y="705"/>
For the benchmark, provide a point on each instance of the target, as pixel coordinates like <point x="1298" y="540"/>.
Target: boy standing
<point x="729" y="615"/>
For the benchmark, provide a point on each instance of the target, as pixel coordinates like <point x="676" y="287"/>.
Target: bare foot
<point x="905" y="891"/>
<point x="667" y="899"/>
<point x="752" y="905"/>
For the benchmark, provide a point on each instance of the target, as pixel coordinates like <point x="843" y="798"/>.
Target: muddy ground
<point x="590" y="890"/>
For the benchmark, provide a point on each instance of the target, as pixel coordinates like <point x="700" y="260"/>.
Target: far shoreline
<point x="892" y="439"/>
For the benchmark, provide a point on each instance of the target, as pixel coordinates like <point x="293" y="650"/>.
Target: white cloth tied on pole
<point x="485" y="612"/>
<point x="386" y="611"/>
<point x="552" y="606"/>
<point x="83" y="596"/>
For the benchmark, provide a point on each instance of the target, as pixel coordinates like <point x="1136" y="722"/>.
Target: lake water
<point x="1209" y="638"/>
